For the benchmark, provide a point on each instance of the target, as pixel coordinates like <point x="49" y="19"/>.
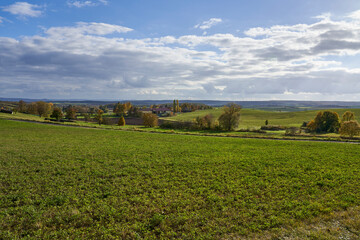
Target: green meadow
<point x="253" y="118"/>
<point x="59" y="182"/>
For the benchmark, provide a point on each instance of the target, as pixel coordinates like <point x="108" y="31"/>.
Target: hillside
<point x="256" y="118"/>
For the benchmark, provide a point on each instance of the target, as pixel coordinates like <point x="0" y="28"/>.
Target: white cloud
<point x="23" y="9"/>
<point x="83" y="28"/>
<point x="80" y="4"/>
<point x="1" y="19"/>
<point x="324" y="16"/>
<point x="302" y="61"/>
<point x="209" y="23"/>
<point x="355" y="15"/>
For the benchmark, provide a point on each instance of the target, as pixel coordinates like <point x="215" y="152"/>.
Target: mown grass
<point x="252" y="118"/>
<point x="61" y="182"/>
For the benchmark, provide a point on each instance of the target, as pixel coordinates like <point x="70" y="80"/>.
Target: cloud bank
<point x="80" y="4"/>
<point x="209" y="23"/>
<point x="303" y="61"/>
<point x="23" y="9"/>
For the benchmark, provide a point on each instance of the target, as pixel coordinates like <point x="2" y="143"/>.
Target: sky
<point x="195" y="50"/>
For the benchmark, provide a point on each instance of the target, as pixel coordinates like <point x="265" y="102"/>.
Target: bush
<point x="205" y="122"/>
<point x="350" y="128"/>
<point x="304" y="124"/>
<point x="251" y="130"/>
<point x="291" y="131"/>
<point x="177" y="125"/>
<point x="273" y="128"/>
<point x="106" y="121"/>
<point x="121" y="121"/>
<point x="149" y="120"/>
<point x="348" y="116"/>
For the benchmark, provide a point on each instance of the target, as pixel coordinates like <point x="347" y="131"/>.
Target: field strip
<point x="199" y="135"/>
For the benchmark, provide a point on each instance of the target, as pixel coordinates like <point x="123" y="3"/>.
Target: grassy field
<point x="216" y="133"/>
<point x="256" y="118"/>
<point x="62" y="182"/>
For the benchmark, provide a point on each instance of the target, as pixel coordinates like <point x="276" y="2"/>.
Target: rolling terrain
<point x="256" y="118"/>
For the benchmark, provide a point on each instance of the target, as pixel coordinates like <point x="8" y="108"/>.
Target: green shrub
<point x="149" y="120"/>
<point x="350" y="128"/>
<point x="121" y="121"/>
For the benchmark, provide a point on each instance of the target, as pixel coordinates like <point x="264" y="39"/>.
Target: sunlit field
<point x="62" y="182"/>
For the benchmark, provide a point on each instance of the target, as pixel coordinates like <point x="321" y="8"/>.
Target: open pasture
<point x="256" y="118"/>
<point x="62" y="182"/>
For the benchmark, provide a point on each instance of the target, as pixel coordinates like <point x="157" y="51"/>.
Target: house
<point x="157" y="111"/>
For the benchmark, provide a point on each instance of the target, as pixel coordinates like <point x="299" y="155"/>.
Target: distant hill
<point x="274" y="104"/>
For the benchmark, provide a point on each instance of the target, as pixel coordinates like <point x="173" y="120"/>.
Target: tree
<point x="99" y="116"/>
<point x="229" y="120"/>
<point x="348" y="116"/>
<point x="350" y="128"/>
<point x="86" y="117"/>
<point x="150" y="120"/>
<point x="177" y="106"/>
<point x="326" y="121"/>
<point x="174" y="106"/>
<point x="120" y="109"/>
<point x="128" y="106"/>
<point x="205" y="122"/>
<point x="22" y="106"/>
<point x="311" y="126"/>
<point x="70" y="113"/>
<point x="92" y="111"/>
<point x="266" y="122"/>
<point x="121" y="121"/>
<point x="104" y="108"/>
<point x="43" y="109"/>
<point x="57" y="114"/>
<point x="134" y="111"/>
<point x="31" y="108"/>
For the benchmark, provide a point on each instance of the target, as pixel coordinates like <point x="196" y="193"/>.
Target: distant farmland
<point x="60" y="182"/>
<point x="256" y="118"/>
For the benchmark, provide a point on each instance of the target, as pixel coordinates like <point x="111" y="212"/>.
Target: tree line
<point x="330" y="122"/>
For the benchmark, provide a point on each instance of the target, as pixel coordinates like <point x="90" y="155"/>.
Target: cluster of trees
<point x="121" y="109"/>
<point x="228" y="120"/>
<point x="191" y="107"/>
<point x="41" y="108"/>
<point x="176" y="108"/>
<point x="325" y="121"/>
<point x="206" y="122"/>
<point x="44" y="109"/>
<point x="328" y="121"/>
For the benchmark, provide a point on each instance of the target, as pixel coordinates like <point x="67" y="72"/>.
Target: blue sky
<point x="226" y="50"/>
